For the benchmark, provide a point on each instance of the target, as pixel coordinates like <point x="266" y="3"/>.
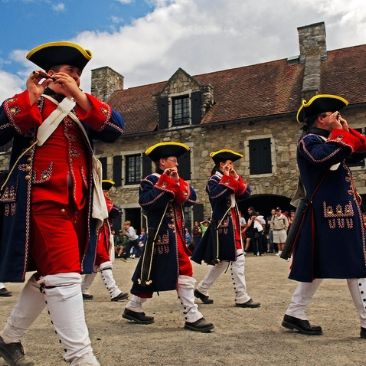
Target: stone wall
<point x="204" y="139"/>
<point x="104" y="81"/>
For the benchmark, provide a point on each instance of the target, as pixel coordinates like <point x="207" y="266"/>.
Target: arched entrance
<point x="263" y="203"/>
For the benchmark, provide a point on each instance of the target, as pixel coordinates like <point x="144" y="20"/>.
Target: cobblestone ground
<point x="242" y="336"/>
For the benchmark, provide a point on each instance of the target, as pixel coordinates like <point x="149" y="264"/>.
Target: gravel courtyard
<point x="241" y="337"/>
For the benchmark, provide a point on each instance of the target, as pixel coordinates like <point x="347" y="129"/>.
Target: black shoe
<point x="13" y="354"/>
<point x="363" y="333"/>
<point x="205" y="299"/>
<point x="122" y="296"/>
<point x="139" y="318"/>
<point x="249" y="304"/>
<point x="201" y="325"/>
<point x="302" y="326"/>
<point x="87" y="297"/>
<point x="4" y="292"/>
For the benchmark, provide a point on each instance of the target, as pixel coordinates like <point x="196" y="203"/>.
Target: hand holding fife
<point x="172" y="172"/>
<point x="233" y="173"/>
<point x="36" y="84"/>
<point x="344" y="123"/>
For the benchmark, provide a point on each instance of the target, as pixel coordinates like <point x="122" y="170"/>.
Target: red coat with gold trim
<point x="58" y="171"/>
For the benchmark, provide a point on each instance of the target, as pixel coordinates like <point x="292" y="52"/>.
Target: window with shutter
<point x="180" y="111"/>
<point x="198" y="212"/>
<point x="132" y="169"/>
<point x="117" y="170"/>
<point x="184" y="165"/>
<point x="103" y="160"/>
<point x="260" y="159"/>
<point x="196" y="107"/>
<point x="163" y="108"/>
<point x="146" y="166"/>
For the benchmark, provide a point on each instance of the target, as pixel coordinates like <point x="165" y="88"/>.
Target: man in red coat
<point x="48" y="226"/>
<point x="105" y="246"/>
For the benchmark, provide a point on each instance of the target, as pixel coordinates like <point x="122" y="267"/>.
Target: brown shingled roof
<point x="252" y="91"/>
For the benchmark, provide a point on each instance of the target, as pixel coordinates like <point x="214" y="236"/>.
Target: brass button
<point x="28" y="168"/>
<point x="63" y="210"/>
<point x="27" y="177"/>
<point x="29" y="159"/>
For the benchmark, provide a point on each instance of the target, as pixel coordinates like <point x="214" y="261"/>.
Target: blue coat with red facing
<point x="331" y="240"/>
<point x="162" y="200"/>
<point x="224" y="191"/>
<point x="58" y="171"/>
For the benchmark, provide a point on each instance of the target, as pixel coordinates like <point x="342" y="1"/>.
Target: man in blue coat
<point x="165" y="263"/>
<point x="224" y="188"/>
<point x="330" y="242"/>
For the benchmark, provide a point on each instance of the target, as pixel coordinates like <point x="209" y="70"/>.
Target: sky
<point x="148" y="40"/>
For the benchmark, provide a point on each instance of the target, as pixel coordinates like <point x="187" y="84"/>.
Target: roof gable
<point x="261" y="90"/>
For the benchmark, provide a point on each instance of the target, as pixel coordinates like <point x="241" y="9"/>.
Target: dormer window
<point x="180" y="110"/>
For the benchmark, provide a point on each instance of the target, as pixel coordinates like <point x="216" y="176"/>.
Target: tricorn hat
<point x="166" y="149"/>
<point x="107" y="184"/>
<point x="225" y="154"/>
<point x="319" y="104"/>
<point x="52" y="54"/>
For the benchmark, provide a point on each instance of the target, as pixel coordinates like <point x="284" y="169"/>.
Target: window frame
<point x="186" y="114"/>
<point x="272" y="151"/>
<point x="138" y="175"/>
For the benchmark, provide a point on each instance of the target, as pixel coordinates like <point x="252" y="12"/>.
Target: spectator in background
<point x="188" y="239"/>
<point x="250" y="230"/>
<point x="196" y="233"/>
<point x="132" y="239"/>
<point x="142" y="241"/>
<point x="280" y="226"/>
<point x="259" y="224"/>
<point x="290" y="219"/>
<point x="118" y="244"/>
<point x="270" y="245"/>
<point x="204" y="226"/>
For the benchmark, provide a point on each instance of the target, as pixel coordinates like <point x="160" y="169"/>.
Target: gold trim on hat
<point x="150" y="149"/>
<point x="86" y="53"/>
<point x="305" y="104"/>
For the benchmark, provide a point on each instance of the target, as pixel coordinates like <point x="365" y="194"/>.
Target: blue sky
<point x="148" y="40"/>
<point x="27" y="23"/>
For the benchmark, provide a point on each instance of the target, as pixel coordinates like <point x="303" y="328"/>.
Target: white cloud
<point x="9" y="85"/>
<point x="59" y="8"/>
<point x="209" y="35"/>
<point x="125" y="2"/>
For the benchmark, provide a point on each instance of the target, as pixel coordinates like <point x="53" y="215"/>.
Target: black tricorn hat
<point x="52" y="54"/>
<point x="166" y="149"/>
<point x="225" y="154"/>
<point x="107" y="184"/>
<point x="319" y="104"/>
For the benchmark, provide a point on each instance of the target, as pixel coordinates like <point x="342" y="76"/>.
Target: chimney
<point x="104" y="81"/>
<point x="313" y="51"/>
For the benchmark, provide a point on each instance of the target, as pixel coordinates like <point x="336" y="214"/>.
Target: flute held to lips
<point x="42" y="74"/>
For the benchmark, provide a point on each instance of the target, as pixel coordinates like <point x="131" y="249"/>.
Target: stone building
<point x="249" y="109"/>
